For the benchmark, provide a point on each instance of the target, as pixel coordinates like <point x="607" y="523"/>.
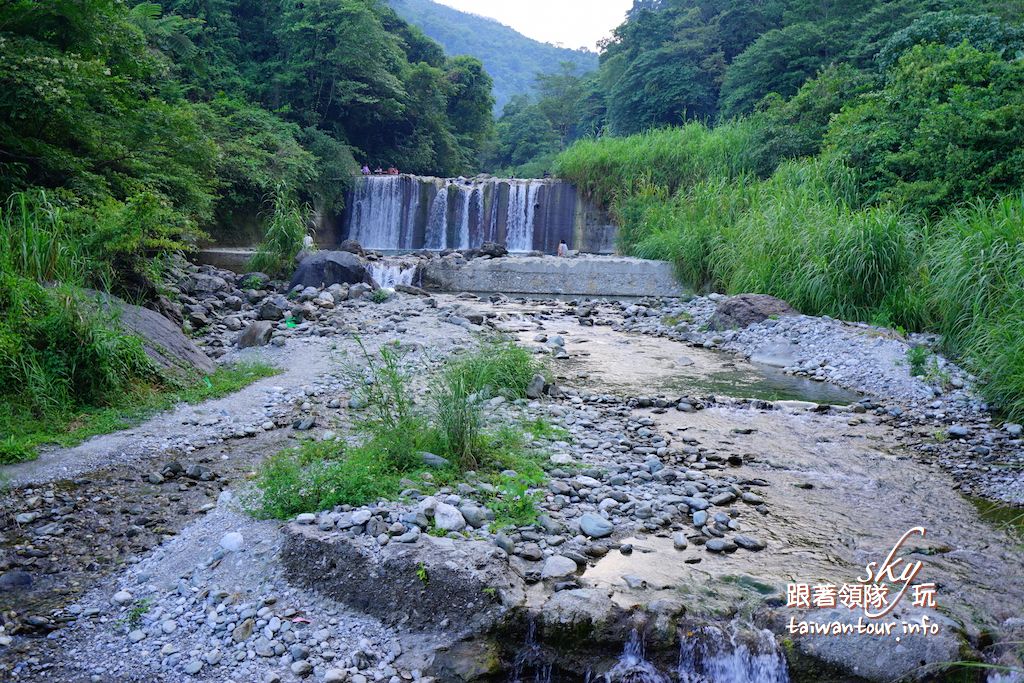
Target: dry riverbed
<point x="130" y="557"/>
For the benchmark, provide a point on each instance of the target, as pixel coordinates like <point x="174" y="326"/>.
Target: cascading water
<point x="437" y="221"/>
<point x="708" y="655"/>
<point x="388" y="273"/>
<point x="396" y="213"/>
<point x="529" y="665"/>
<point x="522" y="206"/>
<point x="632" y="667"/>
<point x="383" y="213"/>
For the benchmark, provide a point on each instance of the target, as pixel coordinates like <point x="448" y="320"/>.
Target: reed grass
<point x="805" y="235"/>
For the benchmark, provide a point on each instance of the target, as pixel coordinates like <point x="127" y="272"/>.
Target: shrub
<point x="285" y="234"/>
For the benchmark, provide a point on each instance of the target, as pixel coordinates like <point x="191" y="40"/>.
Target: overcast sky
<point x="571" y="23"/>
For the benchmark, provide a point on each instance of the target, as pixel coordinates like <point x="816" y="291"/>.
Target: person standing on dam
<point x="563" y="249"/>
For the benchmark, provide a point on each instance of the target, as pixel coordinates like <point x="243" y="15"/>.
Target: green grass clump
<point x="285" y="231"/>
<point x="23" y="431"/>
<point x="396" y="432"/>
<point x="514" y="505"/>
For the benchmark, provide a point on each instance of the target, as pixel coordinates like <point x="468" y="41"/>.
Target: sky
<point x="570" y="23"/>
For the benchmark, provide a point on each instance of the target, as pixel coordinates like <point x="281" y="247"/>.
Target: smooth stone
<point x="558" y="567"/>
<point x="595" y="527"/>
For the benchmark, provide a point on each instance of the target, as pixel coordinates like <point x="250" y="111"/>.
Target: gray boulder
<point x="738" y="312"/>
<point x="351" y="246"/>
<point x="273" y="308"/>
<point x="326" y="268"/>
<point x="493" y="249"/>
<point x="163" y="341"/>
<point x="595" y="527"/>
<point x="257" y="334"/>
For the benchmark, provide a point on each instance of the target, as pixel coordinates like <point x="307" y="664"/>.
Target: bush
<point x="670" y="158"/>
<point x="948" y="127"/>
<point x="286" y="231"/>
<point x="317" y="476"/>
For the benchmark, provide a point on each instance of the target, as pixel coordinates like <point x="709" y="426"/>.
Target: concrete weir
<point x="578" y="276"/>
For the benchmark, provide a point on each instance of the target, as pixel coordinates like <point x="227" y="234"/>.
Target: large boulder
<point x="352" y="247"/>
<point x="257" y="334"/>
<point x="163" y="341"/>
<point x="326" y="268"/>
<point x="743" y="310"/>
<point x="493" y="249"/>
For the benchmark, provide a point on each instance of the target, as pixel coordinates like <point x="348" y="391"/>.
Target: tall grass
<point x="805" y="235"/>
<point x="608" y="169"/>
<point x="286" y="230"/>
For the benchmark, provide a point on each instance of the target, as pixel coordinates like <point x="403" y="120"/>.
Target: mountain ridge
<point x="511" y="59"/>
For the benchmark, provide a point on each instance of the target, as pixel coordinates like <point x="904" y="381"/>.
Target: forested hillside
<point x="858" y="159"/>
<point x="512" y="60"/>
<point x="129" y="129"/>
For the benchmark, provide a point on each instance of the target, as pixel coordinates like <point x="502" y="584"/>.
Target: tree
<point x="947" y="126"/>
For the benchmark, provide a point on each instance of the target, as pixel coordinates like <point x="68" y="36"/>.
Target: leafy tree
<point x="778" y="62"/>
<point x="986" y="32"/>
<point x="788" y="129"/>
<point x="947" y="126"/>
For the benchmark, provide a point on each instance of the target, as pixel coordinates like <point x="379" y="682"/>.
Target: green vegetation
<point x="130" y="130"/>
<point x="23" y="431"/>
<point x="514" y="505"/>
<point x="883" y="195"/>
<point x="917" y="356"/>
<point x="318" y="475"/>
<point x="283" y="240"/>
<point x="511" y="59"/>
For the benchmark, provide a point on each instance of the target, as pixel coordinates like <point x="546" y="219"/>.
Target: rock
<point x="204" y="283"/>
<point x="305" y="518"/>
<point x="749" y="542"/>
<point x="595" y="527"/>
<point x="122" y="598"/>
<point x="243" y="631"/>
<point x="257" y="334"/>
<point x="361" y="517"/>
<point x="535" y="389"/>
<point x="15" y="580"/>
<point x="232" y="542"/>
<point x="335" y="675"/>
<point x="273" y="308"/>
<point x="1014" y="430"/>
<point x="163" y="341"/>
<point x="431" y="460"/>
<point x="359" y="290"/>
<point x="493" y="249"/>
<point x="679" y="541"/>
<point x="352" y="247"/>
<point x="720" y="545"/>
<point x="302" y="668"/>
<point x="304" y="424"/>
<point x="193" y="667"/>
<point x="958" y="432"/>
<point x="738" y="312"/>
<point x="558" y="567"/>
<point x="137" y="636"/>
<point x="326" y="268"/>
<point x="448" y="518"/>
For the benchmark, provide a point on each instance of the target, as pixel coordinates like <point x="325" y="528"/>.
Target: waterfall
<point x="437" y="221"/>
<point x="710" y="656"/>
<point x="467" y="196"/>
<point x="383" y="212"/>
<point x="632" y="667"/>
<point x="522" y="204"/>
<point x="406" y="212"/>
<point x="530" y="659"/>
<point x="388" y="273"/>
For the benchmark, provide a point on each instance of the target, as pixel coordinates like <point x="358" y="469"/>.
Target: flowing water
<point x="388" y="273"/>
<point x="710" y="655"/>
<point x="632" y="666"/>
<point x="405" y="212"/>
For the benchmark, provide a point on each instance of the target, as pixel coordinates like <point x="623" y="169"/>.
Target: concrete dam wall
<point x="407" y="212"/>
